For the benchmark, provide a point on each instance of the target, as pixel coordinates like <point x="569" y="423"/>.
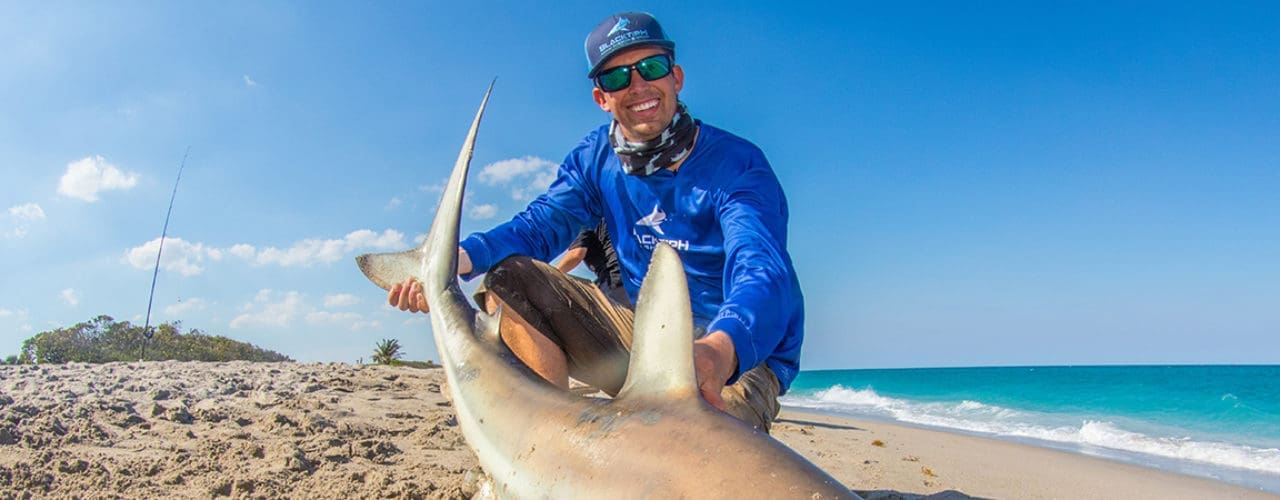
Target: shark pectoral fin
<point x="486" y="325"/>
<point x="662" y="341"/>
<point x="388" y="269"/>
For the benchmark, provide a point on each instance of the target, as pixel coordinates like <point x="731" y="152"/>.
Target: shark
<point x="656" y="439"/>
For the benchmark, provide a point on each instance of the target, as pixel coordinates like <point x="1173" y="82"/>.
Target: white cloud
<point x="185" y="305"/>
<point x="20" y="218"/>
<point x="28" y="212"/>
<point x="86" y="177"/>
<point x="179" y="256"/>
<point x="20" y="316"/>
<point x="242" y="251"/>
<point x="310" y="252"/>
<point x="248" y="82"/>
<point x="536" y="186"/>
<point x="416" y="320"/>
<point x="340" y="300"/>
<point x="360" y="326"/>
<point x="349" y="320"/>
<point x="332" y="318"/>
<point x="482" y="212"/>
<point x="271" y="309"/>
<point x="393" y="203"/>
<point x="189" y="259"/>
<point x="527" y="177"/>
<point x="70" y="296"/>
<point x="504" y="171"/>
<point x="434" y="188"/>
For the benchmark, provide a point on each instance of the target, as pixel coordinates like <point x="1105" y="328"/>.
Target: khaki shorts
<point x="595" y="333"/>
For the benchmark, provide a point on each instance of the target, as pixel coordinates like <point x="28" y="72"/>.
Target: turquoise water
<point x="1221" y="422"/>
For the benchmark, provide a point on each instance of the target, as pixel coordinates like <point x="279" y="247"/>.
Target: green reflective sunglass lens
<point x="615" y="79"/>
<point x="653" y="68"/>
<point x="650" y="68"/>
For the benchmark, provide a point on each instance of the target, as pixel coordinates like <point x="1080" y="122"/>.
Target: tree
<point x="103" y="339"/>
<point x="387" y="352"/>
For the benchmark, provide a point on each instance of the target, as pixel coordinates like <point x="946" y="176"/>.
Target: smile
<point x="644" y="106"/>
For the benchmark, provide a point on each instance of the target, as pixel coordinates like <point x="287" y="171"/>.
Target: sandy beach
<point x="268" y="430"/>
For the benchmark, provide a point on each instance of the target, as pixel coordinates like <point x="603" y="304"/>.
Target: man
<point x="593" y="248"/>
<point x="653" y="176"/>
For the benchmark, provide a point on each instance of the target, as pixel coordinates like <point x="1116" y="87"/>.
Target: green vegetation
<point x="417" y="364"/>
<point x="387" y="352"/>
<point x="103" y="339"/>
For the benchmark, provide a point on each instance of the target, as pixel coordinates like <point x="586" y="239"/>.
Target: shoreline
<point x="916" y="461"/>
<point x="333" y="430"/>
<point x="1244" y="478"/>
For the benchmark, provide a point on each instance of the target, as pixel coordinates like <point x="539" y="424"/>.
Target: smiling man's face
<point x="643" y="109"/>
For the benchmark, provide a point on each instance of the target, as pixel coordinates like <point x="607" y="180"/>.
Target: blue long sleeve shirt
<point x="724" y="211"/>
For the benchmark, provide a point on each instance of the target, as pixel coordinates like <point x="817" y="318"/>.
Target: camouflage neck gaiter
<point x="645" y="158"/>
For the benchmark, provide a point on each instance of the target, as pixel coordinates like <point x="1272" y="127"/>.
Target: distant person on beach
<point x="652" y="176"/>
<point x="593" y="248"/>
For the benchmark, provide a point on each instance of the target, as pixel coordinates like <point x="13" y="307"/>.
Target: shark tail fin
<point x="662" y="341"/>
<point x="387" y="269"/>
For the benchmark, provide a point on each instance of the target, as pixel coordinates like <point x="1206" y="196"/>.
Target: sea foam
<point x="1082" y="433"/>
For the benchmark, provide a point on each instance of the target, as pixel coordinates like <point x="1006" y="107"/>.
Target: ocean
<point x="1220" y="422"/>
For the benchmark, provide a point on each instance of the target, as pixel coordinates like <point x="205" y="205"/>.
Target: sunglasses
<point x="650" y="68"/>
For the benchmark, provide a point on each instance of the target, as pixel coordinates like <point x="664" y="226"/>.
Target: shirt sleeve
<point x="545" y="228"/>
<point x="761" y="288"/>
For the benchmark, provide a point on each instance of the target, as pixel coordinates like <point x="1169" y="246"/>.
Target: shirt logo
<point x="654" y="220"/>
<point x="619" y="27"/>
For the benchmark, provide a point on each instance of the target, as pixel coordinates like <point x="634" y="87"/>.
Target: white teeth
<point x="645" y="105"/>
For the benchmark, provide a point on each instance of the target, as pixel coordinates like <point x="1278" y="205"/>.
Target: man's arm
<point x="572" y="257"/>
<point x="548" y="224"/>
<point x="762" y="298"/>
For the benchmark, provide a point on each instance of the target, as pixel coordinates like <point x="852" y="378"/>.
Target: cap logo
<point x="619" y="27"/>
<point x="628" y="36"/>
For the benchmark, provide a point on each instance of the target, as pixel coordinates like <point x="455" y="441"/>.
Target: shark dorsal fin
<point x="662" y="340"/>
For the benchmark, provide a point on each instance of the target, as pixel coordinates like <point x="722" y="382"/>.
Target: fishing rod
<point x="146" y="329"/>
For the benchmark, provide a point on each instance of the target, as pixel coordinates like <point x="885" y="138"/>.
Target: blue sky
<point x="970" y="184"/>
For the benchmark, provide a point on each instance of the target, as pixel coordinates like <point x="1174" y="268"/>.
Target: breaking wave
<point x="981" y="418"/>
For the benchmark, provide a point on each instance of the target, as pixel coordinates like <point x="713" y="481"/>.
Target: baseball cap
<point x="621" y="31"/>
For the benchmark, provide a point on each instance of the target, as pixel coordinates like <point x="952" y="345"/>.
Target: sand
<point x="269" y="430"/>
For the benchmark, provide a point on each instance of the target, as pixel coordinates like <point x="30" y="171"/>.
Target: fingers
<point x="408" y="296"/>
<point x="393" y="295"/>
<point x="709" y="383"/>
<point x="418" y="298"/>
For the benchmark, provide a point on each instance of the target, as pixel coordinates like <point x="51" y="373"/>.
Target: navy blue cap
<point x="621" y="31"/>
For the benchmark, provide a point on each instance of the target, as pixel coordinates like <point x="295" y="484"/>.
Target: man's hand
<point x="408" y="296"/>
<point x="714" y="361"/>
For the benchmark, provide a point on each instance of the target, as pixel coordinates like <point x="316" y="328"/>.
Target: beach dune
<point x="267" y="430"/>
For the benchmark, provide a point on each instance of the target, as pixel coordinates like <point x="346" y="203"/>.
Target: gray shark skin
<point x="657" y="439"/>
